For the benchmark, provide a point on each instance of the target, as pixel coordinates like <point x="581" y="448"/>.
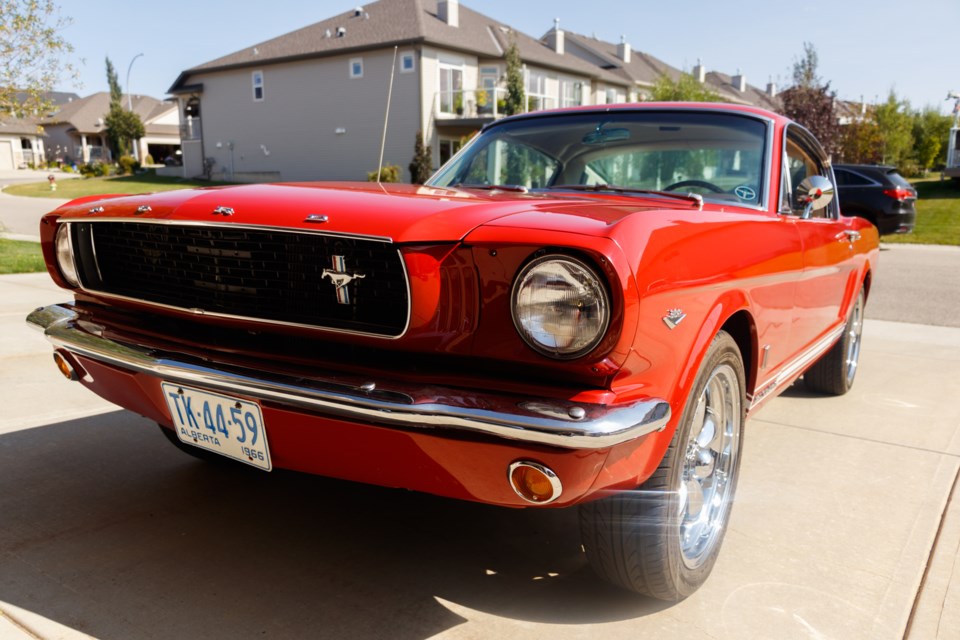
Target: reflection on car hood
<point x="403" y="213"/>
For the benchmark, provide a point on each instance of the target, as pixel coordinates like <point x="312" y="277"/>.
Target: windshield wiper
<point x="696" y="198"/>
<point x="516" y="188"/>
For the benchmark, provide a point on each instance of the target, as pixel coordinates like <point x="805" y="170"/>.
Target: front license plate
<point x="229" y="426"/>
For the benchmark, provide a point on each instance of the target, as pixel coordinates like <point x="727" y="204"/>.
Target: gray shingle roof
<point x="85" y="114"/>
<point x="389" y="22"/>
<point x="643" y="68"/>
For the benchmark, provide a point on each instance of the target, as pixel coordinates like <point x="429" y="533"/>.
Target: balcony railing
<point x="470" y="103"/>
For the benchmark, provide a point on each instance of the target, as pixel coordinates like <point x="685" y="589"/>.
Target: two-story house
<point x="75" y="130"/>
<point x="312" y="104"/>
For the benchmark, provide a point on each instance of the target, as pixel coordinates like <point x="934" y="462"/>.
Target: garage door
<point x="6" y="155"/>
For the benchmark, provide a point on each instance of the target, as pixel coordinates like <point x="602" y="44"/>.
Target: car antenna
<point x="386" y="116"/>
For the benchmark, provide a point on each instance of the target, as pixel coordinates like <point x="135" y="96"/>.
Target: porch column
<point x="84" y="149"/>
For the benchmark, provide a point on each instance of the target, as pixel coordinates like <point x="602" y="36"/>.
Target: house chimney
<point x="700" y="72"/>
<point x="555" y="39"/>
<point x="449" y="12"/>
<point x="739" y="82"/>
<point x="772" y="89"/>
<point x="623" y="49"/>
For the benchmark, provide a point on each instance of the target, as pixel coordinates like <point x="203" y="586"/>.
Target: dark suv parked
<point x="877" y="193"/>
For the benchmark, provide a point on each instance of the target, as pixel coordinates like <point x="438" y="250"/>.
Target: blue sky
<point x="865" y="47"/>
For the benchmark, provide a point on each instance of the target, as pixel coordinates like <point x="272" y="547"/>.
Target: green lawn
<point x="17" y="256"/>
<point x="938" y="214"/>
<point x="78" y="187"/>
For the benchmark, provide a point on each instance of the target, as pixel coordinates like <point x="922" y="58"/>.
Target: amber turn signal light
<point x="65" y="368"/>
<point x="534" y="482"/>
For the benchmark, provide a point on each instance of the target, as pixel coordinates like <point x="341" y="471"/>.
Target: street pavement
<point x="20" y="216"/>
<point x="846" y="526"/>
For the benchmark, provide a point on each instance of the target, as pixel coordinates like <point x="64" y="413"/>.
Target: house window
<point x="407" y="63"/>
<point x="447" y="149"/>
<point x="537" y="97"/>
<point x="451" y="88"/>
<point x="356" y="67"/>
<point x="571" y="93"/>
<point x="257" y="78"/>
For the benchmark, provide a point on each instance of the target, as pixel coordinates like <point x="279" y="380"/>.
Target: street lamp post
<point x="136" y="151"/>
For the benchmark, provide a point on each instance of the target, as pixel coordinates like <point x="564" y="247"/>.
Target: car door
<point x="826" y="239"/>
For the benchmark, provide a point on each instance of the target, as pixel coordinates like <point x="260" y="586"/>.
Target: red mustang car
<point x="580" y="308"/>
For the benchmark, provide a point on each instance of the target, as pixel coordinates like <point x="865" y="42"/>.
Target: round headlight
<point x="65" y="261"/>
<point x="560" y="306"/>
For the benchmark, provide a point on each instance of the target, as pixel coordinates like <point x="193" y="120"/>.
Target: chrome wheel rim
<point x="706" y="482"/>
<point x="854" y="331"/>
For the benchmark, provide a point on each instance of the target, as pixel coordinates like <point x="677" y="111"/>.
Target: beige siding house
<point x="310" y="105"/>
<point x="76" y="132"/>
<point x="22" y="139"/>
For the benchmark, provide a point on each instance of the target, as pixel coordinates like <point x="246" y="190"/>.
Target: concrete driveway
<point x="846" y="526"/>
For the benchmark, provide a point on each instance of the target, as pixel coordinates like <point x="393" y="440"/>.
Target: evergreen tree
<point x="515" y="93"/>
<point x="421" y="167"/>
<point x="123" y="127"/>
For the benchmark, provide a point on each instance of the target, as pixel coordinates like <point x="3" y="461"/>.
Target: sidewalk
<point x="847" y="525"/>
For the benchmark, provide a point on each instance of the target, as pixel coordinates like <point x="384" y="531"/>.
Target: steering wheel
<point x="694" y="183"/>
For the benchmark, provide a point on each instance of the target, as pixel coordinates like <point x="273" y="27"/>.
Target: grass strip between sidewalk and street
<point x="79" y="187"/>
<point x="20" y="256"/>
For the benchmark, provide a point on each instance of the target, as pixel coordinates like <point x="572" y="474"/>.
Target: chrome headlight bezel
<point x="589" y="303"/>
<point x="66" y="260"/>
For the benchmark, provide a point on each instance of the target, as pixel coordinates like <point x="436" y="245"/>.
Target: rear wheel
<point x="663" y="538"/>
<point x="835" y="371"/>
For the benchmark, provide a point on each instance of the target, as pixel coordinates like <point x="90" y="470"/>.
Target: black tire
<point x="655" y="540"/>
<point x="836" y="370"/>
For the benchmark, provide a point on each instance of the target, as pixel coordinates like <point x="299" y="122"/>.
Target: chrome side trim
<point x="420" y="408"/>
<point x="794" y="368"/>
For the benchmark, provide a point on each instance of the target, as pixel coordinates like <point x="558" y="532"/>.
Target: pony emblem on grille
<point x="340" y="278"/>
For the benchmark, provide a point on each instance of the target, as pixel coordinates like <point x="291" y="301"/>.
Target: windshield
<point x="719" y="156"/>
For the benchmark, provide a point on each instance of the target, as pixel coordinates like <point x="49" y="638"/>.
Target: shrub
<point x="66" y="168"/>
<point x="148" y="159"/>
<point x="389" y="173"/>
<point x="128" y="164"/>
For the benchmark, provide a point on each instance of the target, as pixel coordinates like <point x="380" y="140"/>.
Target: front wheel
<point x="663" y="538"/>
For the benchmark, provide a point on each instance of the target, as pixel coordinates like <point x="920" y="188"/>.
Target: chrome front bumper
<point x="543" y="421"/>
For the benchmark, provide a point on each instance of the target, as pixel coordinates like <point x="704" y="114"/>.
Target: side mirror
<point x="814" y="192"/>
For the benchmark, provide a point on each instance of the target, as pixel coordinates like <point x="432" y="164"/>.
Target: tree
<point x="893" y="118"/>
<point x="810" y="102"/>
<point x="515" y="93"/>
<point x="861" y="143"/>
<point x="421" y="167"/>
<point x="930" y="132"/>
<point x="32" y="55"/>
<point x="686" y="88"/>
<point x="123" y="127"/>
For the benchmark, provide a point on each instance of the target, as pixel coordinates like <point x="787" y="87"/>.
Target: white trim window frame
<point x="256" y="82"/>
<point x="450" y="74"/>
<point x="571" y="92"/>
<point x="356" y="67"/>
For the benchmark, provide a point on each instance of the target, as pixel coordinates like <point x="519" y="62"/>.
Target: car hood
<point x="402" y="213"/>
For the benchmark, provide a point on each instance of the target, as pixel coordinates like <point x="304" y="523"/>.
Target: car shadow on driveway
<point x="109" y="530"/>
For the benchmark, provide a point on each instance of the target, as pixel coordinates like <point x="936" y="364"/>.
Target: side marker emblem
<point x="673" y="318"/>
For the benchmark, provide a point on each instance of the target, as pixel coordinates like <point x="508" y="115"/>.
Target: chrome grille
<point x="266" y="274"/>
